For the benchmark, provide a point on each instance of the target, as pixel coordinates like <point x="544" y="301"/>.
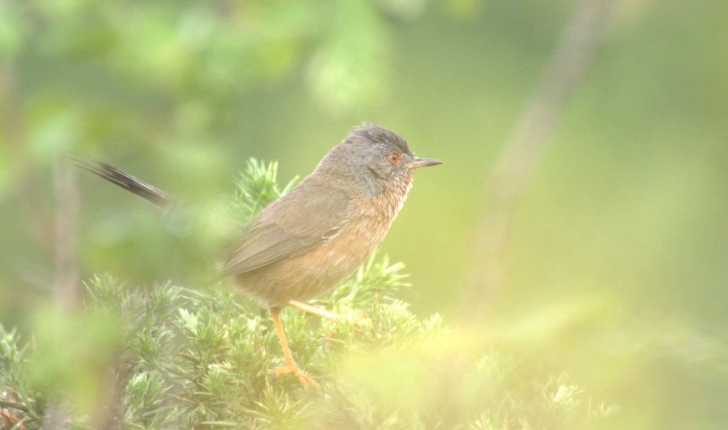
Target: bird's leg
<point x="313" y="310"/>
<point x="290" y="366"/>
<point x="323" y="313"/>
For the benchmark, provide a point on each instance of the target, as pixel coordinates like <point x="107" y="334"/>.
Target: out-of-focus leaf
<point x="11" y="32"/>
<point x="56" y="125"/>
<point x="405" y="10"/>
<point x="349" y="68"/>
<point x="76" y="355"/>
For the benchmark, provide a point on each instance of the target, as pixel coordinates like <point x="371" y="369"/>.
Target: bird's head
<point x="374" y="159"/>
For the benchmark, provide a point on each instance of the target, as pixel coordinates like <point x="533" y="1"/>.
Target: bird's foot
<point x="356" y="321"/>
<point x="305" y="380"/>
<point x="353" y="322"/>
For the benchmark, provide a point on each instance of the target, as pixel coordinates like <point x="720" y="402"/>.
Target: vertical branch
<point x="63" y="249"/>
<point x="515" y="167"/>
<point x="66" y="276"/>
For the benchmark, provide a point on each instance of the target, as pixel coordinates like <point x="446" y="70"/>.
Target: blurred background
<point x="604" y="251"/>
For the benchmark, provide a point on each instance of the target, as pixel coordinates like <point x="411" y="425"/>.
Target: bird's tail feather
<point x="150" y="193"/>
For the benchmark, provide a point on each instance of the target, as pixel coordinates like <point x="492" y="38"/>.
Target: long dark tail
<point x="135" y="186"/>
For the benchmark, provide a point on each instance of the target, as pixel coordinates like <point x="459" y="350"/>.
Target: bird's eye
<point x="394" y="157"/>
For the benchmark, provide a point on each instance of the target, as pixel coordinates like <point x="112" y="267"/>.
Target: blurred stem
<point x="515" y="167"/>
<point x="63" y="248"/>
<point x="66" y="276"/>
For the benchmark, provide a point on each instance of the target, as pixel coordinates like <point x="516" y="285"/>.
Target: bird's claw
<point x="351" y="321"/>
<point x="355" y="321"/>
<point x="305" y="380"/>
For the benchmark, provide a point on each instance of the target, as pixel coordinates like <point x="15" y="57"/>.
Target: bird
<point x="318" y="233"/>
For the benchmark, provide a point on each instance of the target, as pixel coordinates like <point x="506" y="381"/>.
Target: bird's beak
<point x="422" y="162"/>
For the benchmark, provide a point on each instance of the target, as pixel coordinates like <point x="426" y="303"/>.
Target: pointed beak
<point x="422" y="162"/>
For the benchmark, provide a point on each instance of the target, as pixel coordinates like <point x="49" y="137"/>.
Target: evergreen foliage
<point x="172" y="357"/>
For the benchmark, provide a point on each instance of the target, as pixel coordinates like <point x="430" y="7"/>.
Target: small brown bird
<point x="316" y="235"/>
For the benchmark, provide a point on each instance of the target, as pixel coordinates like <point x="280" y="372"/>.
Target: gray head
<point x="374" y="158"/>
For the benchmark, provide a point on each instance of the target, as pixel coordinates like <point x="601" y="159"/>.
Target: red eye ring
<point x="394" y="157"/>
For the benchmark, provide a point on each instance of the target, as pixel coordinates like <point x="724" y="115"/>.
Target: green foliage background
<point x="165" y="357"/>
<point x="617" y="257"/>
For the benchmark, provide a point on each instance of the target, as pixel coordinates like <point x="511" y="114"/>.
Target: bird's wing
<point x="300" y="221"/>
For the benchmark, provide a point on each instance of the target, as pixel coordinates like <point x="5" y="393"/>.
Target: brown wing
<point x="298" y="222"/>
